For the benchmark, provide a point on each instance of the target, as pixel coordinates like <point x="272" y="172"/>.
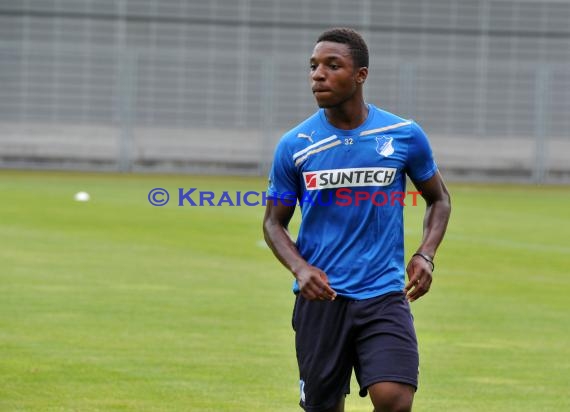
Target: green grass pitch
<point x="116" y="305"/>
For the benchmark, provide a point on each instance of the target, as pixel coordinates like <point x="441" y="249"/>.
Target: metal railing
<point x="193" y="87"/>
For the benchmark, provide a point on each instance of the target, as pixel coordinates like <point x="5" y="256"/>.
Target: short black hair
<point x="354" y="41"/>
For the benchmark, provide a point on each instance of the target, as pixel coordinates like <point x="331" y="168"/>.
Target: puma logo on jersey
<point x="306" y="136"/>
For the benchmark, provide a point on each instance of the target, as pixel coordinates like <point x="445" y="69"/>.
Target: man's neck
<point x="347" y="117"/>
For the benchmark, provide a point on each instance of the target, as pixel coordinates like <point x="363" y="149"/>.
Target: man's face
<point x="334" y="79"/>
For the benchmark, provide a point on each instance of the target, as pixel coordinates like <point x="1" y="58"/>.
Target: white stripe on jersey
<point x="306" y="149"/>
<point x="383" y="129"/>
<point x="317" y="150"/>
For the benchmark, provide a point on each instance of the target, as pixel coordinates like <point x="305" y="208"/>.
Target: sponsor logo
<point x="335" y="178"/>
<point x="310" y="180"/>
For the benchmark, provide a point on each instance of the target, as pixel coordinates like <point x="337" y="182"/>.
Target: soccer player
<point x="346" y="166"/>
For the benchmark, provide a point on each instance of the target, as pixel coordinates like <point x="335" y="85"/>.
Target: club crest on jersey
<point x="384" y="145"/>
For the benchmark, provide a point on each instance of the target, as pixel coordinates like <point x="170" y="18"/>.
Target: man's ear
<point x="362" y="75"/>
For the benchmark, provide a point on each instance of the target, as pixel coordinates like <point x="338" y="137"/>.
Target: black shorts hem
<point x="325" y="406"/>
<point x="398" y="379"/>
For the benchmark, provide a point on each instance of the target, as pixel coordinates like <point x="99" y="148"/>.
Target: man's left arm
<point x="438" y="209"/>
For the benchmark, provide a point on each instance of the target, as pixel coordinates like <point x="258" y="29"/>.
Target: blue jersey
<point x="351" y="187"/>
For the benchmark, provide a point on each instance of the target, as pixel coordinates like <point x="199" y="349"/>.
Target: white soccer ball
<point x="82" y="197"/>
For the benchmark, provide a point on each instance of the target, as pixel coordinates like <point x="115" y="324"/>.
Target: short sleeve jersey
<point x="351" y="187"/>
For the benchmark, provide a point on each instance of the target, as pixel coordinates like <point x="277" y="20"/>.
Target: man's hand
<point x="314" y="284"/>
<point x="419" y="275"/>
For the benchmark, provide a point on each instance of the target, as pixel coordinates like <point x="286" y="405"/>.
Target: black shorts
<point x="374" y="336"/>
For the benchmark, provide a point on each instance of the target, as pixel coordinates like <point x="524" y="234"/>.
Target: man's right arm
<point x="313" y="282"/>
